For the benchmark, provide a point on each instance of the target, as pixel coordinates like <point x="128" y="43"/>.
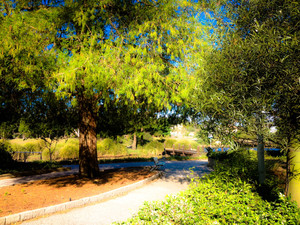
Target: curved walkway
<point x="122" y="208"/>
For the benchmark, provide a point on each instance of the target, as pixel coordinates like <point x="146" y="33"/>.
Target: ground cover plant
<point x="229" y="195"/>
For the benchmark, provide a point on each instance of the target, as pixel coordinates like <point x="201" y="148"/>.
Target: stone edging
<point x="27" y="215"/>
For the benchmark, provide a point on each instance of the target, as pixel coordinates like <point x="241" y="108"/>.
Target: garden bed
<point x="43" y="193"/>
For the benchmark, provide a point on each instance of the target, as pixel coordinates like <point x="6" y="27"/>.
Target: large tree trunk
<point x="88" y="163"/>
<point x="261" y="159"/>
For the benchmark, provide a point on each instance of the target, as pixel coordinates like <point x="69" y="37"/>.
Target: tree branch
<point x="6" y="8"/>
<point x="112" y="24"/>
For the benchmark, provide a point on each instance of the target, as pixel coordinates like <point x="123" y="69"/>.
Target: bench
<point x="157" y="164"/>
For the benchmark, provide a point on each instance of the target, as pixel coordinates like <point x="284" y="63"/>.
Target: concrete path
<point x="172" y="166"/>
<point x="122" y="208"/>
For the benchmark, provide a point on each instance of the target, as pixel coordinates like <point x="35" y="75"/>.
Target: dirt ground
<point x="38" y="194"/>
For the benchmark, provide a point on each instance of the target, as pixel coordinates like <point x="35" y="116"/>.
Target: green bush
<point x="5" y="156"/>
<point x="46" y="154"/>
<point x="186" y="144"/>
<point x="152" y="148"/>
<point x="154" y="145"/>
<point x="169" y="143"/>
<point x="147" y="137"/>
<point x="29" y="145"/>
<point x="218" y="200"/>
<point x="216" y="155"/>
<point x="109" y="147"/>
<point x="69" y="151"/>
<point x="228" y="195"/>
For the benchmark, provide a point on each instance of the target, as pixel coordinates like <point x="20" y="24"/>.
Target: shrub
<point x="169" y="143"/>
<point x="219" y="198"/>
<point x="186" y="144"/>
<point x="69" y="151"/>
<point x="29" y="145"/>
<point x="228" y="195"/>
<point x="152" y="148"/>
<point x="109" y="147"/>
<point x="5" y="156"/>
<point x="216" y="155"/>
<point x="147" y="137"/>
<point x="46" y="154"/>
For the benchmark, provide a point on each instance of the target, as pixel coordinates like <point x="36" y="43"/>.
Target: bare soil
<point x="43" y="193"/>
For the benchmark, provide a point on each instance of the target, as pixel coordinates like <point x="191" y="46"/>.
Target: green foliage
<point x="217" y="200"/>
<point x="47" y="152"/>
<point x="216" y="155"/>
<point x="29" y="145"/>
<point x="228" y="195"/>
<point x="152" y="148"/>
<point x="109" y="146"/>
<point x="169" y="142"/>
<point x="160" y="127"/>
<point x="70" y="150"/>
<point x="186" y="143"/>
<point x="24" y="129"/>
<point x="5" y="156"/>
<point x="154" y="145"/>
<point x="147" y="137"/>
<point x="6" y="130"/>
<point x="25" y="62"/>
<point x="25" y="149"/>
<point x="190" y="128"/>
<point x="94" y="55"/>
<point x="253" y="73"/>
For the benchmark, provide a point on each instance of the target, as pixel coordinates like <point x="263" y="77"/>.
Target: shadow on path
<point x="173" y="170"/>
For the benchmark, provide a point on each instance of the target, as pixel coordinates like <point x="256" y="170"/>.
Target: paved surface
<point x="122" y="208"/>
<point x="173" y="167"/>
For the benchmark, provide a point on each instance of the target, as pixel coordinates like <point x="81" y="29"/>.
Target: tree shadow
<point x="110" y="176"/>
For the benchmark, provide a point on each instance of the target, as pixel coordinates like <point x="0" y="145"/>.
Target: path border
<point x="27" y="215"/>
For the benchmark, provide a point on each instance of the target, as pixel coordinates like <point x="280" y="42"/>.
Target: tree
<point x="254" y="70"/>
<point x="48" y="118"/>
<point x="24" y="62"/>
<point x="103" y="47"/>
<point x="123" y="47"/>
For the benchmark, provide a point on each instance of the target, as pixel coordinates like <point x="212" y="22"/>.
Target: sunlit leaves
<point x="24" y="40"/>
<point x="148" y="52"/>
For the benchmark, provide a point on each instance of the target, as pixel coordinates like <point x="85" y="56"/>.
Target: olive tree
<point x="252" y="76"/>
